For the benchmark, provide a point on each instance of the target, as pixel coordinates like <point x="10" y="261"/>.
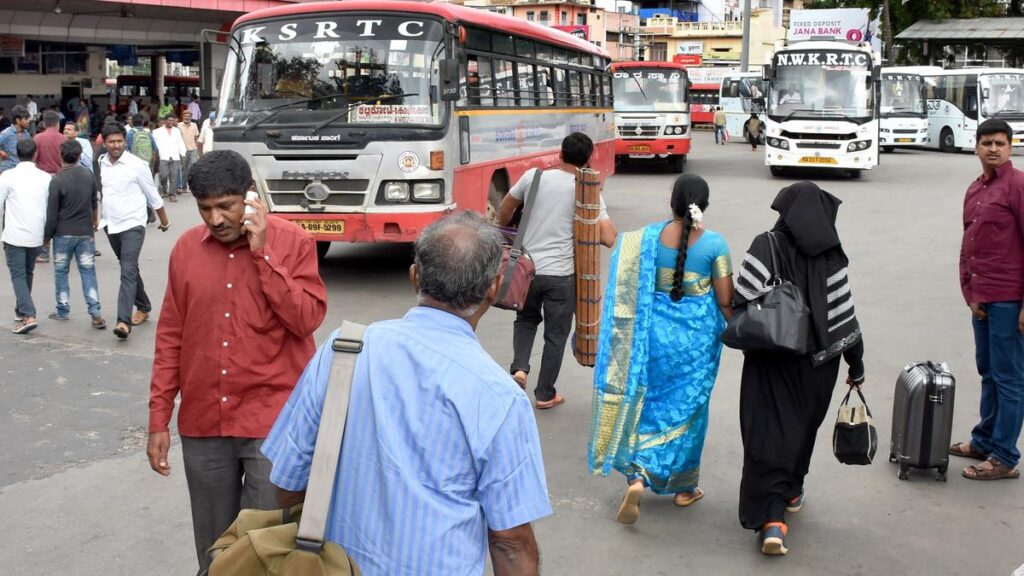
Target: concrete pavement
<point x="73" y="406"/>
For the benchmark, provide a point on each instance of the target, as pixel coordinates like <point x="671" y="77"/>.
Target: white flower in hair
<point x="696" y="215"/>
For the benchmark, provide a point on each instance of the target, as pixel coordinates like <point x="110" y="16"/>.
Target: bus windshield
<point x="649" y="90"/>
<point x="1002" y="95"/>
<point x="903" y="95"/>
<point x="822" y="85"/>
<point x="336" y="70"/>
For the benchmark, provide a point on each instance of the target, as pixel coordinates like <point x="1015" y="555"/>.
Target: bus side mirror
<point x="984" y="93"/>
<point x="766" y="73"/>
<point x="449" y="70"/>
<point x="876" y="74"/>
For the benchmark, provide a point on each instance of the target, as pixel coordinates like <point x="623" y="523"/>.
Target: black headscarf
<point x="811" y="251"/>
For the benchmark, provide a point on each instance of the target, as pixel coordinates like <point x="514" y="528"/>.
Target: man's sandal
<point x="990" y="469"/>
<point x="965" y="450"/>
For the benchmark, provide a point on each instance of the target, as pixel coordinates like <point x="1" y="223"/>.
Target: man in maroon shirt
<point x="243" y="299"/>
<point x="992" y="281"/>
<point x="48" y="160"/>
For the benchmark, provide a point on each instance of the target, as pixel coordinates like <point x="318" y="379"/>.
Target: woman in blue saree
<point x="669" y="294"/>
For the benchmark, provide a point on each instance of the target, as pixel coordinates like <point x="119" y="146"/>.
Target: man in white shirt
<point x="549" y="240"/>
<point x="171" y="148"/>
<point x="206" y="134"/>
<point x="133" y="106"/>
<point x="33" y="114"/>
<point x="193" y="109"/>
<point x="24" y="191"/>
<point x="128" y="189"/>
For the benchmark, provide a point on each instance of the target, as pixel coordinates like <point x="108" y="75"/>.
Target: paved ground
<point x="73" y="406"/>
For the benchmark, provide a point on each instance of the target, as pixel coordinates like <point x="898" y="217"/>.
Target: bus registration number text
<point x="639" y="148"/>
<point x="818" y="160"/>
<point x="322" y="226"/>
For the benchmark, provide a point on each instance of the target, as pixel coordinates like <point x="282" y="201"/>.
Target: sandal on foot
<point x="629" y="510"/>
<point x="122" y="330"/>
<point x="520" y="377"/>
<point x="139" y="317"/>
<point x="25" y="325"/>
<point x="773" y="538"/>
<point x="549" y="404"/>
<point x="990" y="469"/>
<point x="695" y="495"/>
<point x="965" y="450"/>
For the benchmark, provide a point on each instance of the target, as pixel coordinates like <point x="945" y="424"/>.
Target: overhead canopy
<point x="970" y="30"/>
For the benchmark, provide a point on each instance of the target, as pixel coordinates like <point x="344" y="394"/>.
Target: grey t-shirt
<point x="549" y="238"/>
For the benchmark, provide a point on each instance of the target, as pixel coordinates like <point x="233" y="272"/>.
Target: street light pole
<point x="745" y="53"/>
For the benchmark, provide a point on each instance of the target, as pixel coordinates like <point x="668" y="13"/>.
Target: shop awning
<point x="969" y="30"/>
<point x="96" y="29"/>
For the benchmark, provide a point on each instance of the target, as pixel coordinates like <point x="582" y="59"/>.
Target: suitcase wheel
<point x="892" y="458"/>
<point x="904" y="472"/>
<point x="940" y="475"/>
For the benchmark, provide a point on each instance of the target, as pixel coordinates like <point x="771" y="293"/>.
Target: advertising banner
<point x="690" y="47"/>
<point x="577" y="30"/>
<point x="849" y="24"/>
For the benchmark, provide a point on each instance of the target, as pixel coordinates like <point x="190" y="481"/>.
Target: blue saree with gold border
<point x="657" y="360"/>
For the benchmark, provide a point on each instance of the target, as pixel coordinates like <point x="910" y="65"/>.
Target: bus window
<point x="574" y="87"/>
<point x="504" y="87"/>
<point x="560" y="88"/>
<point x="503" y="44"/>
<point x="527" y="87"/>
<point x="478" y="79"/>
<point x="546" y="91"/>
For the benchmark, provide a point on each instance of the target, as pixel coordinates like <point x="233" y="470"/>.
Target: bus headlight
<point x="675" y="130"/>
<point x="396" y="192"/>
<point x="858" y="145"/>
<point x="778" y="143"/>
<point x="886" y="130"/>
<point x="426" y="192"/>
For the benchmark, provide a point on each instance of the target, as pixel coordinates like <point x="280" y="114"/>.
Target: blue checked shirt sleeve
<point x="289" y="446"/>
<point x="512" y="489"/>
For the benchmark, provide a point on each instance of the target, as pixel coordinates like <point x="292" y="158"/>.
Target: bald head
<point x="458" y="258"/>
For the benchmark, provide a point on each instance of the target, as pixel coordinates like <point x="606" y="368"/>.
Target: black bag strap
<point x="327" y="451"/>
<point x="773" y="247"/>
<point x="846" y="400"/>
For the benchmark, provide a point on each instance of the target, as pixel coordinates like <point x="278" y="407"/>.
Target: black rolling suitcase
<point x="922" y="418"/>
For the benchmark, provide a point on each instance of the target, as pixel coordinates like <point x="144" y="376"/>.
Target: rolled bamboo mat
<point x="587" y="247"/>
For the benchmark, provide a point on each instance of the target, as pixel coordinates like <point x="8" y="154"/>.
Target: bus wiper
<point x="352" y="105"/>
<point x="639" y="87"/>
<point x="1008" y="111"/>
<point x="794" y="113"/>
<point x="274" y="110"/>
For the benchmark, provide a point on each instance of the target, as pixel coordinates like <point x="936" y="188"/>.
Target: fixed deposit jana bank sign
<point x="850" y="24"/>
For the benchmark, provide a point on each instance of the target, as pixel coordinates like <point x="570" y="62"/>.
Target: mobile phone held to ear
<point x="249" y="210"/>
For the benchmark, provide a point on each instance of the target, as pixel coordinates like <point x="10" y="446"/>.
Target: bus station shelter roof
<point x="966" y="30"/>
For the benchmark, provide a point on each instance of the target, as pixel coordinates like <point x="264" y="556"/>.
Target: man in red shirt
<point x="48" y="143"/>
<point x="992" y="281"/>
<point x="243" y="299"/>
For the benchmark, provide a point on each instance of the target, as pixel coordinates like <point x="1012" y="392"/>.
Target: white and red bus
<point x="652" y="113"/>
<point x="366" y="121"/>
<point x="703" y="99"/>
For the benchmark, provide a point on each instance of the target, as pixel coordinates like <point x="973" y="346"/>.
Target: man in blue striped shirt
<point x="441" y="457"/>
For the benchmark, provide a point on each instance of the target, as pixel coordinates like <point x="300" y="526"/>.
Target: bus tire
<point x="856" y="174"/>
<point x="678" y="163"/>
<point x="321" y="250"/>
<point x="495" y="193"/>
<point x="777" y="170"/>
<point x="947" y="143"/>
<point x="888" y="149"/>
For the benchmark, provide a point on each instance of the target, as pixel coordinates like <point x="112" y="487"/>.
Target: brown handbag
<point x="516" y="264"/>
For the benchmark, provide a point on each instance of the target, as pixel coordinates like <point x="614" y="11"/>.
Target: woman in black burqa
<point x="784" y="397"/>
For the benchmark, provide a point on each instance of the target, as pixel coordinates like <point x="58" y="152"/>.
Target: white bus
<point x="741" y="94"/>
<point x="902" y="110"/>
<point x="822" y="107"/>
<point x="958" y="100"/>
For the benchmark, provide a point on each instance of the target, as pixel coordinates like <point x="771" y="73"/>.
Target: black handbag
<point x="777" y="321"/>
<point x="855" y="439"/>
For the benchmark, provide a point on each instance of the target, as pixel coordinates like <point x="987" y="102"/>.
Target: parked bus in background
<point x="822" y="107"/>
<point x="140" y="86"/>
<point x="742" y="94"/>
<point x="366" y="121"/>
<point x="958" y="100"/>
<point x="902" y="111"/>
<point x="703" y="99"/>
<point x="652" y="116"/>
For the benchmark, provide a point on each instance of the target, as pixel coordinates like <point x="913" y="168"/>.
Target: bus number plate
<point x="322" y="226"/>
<point x="904" y="140"/>
<point x="1016" y="141"/>
<point x="639" y="148"/>
<point x="818" y="160"/>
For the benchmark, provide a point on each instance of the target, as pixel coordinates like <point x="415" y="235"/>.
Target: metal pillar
<point x="745" y="50"/>
<point x="159" y="64"/>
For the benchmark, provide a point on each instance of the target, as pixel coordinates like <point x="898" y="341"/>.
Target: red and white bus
<point x="703" y="99"/>
<point x="652" y="116"/>
<point x="366" y="121"/>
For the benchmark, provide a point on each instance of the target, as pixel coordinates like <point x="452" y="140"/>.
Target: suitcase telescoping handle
<point x="940" y="367"/>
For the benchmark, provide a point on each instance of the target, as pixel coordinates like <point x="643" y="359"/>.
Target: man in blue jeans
<point x="71" y="218"/>
<point x="992" y="281"/>
<point x="23" y="195"/>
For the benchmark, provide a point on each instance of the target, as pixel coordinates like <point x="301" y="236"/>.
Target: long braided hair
<point x="688" y="189"/>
